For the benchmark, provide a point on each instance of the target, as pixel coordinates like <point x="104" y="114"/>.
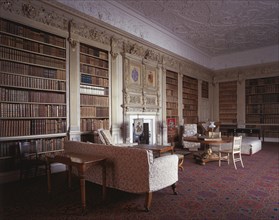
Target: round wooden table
<point x="205" y="157"/>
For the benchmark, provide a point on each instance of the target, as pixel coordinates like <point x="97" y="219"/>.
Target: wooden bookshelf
<point x="205" y="88"/>
<point x="94" y="89"/>
<point x="228" y="102"/>
<point x="262" y="104"/>
<point x="32" y="90"/>
<point x="190" y="100"/>
<point x="172" y="104"/>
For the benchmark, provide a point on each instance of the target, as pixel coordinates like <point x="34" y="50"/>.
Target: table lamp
<point x="212" y="126"/>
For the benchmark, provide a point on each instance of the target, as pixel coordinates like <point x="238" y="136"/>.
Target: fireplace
<point x="148" y="125"/>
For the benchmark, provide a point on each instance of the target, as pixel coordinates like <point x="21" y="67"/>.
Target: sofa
<point x="129" y="169"/>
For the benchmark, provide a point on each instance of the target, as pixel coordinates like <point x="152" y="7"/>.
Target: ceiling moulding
<point x="247" y="72"/>
<point x="123" y="22"/>
<point x="56" y="17"/>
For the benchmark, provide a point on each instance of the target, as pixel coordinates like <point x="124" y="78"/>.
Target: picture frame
<point x="138" y="126"/>
<point x="151" y="78"/>
<point x="135" y="73"/>
<point x="171" y="123"/>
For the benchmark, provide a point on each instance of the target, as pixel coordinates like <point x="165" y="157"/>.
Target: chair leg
<point x="228" y="158"/>
<point x="233" y="158"/>
<point x="240" y="157"/>
<point x="220" y="155"/>
<point x="148" y="199"/>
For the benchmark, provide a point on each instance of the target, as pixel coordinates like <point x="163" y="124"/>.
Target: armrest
<point x="163" y="172"/>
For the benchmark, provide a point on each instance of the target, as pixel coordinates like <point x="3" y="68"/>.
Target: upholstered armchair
<point x="190" y="130"/>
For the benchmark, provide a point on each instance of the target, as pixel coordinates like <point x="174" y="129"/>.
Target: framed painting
<point x="135" y="73"/>
<point x="151" y="78"/>
<point x="138" y="126"/>
<point x="171" y="123"/>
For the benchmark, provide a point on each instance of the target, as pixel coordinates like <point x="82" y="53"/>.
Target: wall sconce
<point x="72" y="42"/>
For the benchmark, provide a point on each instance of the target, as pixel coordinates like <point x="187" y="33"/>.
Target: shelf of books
<point x="205" y="88"/>
<point x="190" y="100"/>
<point x="94" y="89"/>
<point x="227" y="105"/>
<point x="172" y="104"/>
<point x="262" y="105"/>
<point x="32" y="90"/>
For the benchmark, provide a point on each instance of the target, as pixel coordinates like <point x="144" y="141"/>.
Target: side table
<point x="82" y="162"/>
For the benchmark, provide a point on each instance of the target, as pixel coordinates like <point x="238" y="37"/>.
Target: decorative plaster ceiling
<point x="216" y="27"/>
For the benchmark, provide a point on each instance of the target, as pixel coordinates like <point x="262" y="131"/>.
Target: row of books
<point x="10" y="149"/>
<point x="190" y="120"/>
<point x="262" y="81"/>
<point x="24" y="69"/>
<point x="91" y="111"/>
<point x="190" y="81"/>
<point x="189" y="107"/>
<point x="262" y="109"/>
<point x="172" y="112"/>
<point x="93" y="124"/>
<point x="262" y="89"/>
<point x="170" y="92"/>
<point x="172" y="99"/>
<point x="94" y="80"/>
<point x="93" y="51"/>
<point x="171" y="83"/>
<point x="15" y="95"/>
<point x="93" y="71"/>
<point x="172" y="75"/>
<point x="11" y="110"/>
<point x="172" y="105"/>
<point x="190" y="113"/>
<point x="93" y="90"/>
<point x="263" y="98"/>
<point x="187" y="85"/>
<point x="227" y="105"/>
<point x="32" y="33"/>
<point x="190" y="96"/>
<point x="190" y="102"/>
<point x="31" y="82"/>
<point x="31" y="46"/>
<point x="31" y="127"/>
<point x="260" y="120"/>
<point x="26" y="57"/>
<point x="94" y="100"/>
<point x="93" y="61"/>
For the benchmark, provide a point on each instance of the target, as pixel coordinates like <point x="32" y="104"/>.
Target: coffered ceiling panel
<point x="215" y="27"/>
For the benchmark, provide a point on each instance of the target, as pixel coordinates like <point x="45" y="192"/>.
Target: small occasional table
<point x="82" y="162"/>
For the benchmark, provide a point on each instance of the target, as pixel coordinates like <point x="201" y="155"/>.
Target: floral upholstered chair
<point x="190" y="130"/>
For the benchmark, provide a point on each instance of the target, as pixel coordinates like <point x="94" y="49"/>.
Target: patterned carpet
<point x="205" y="193"/>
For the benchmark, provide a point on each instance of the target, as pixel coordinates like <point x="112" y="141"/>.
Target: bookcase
<point x="204" y="90"/>
<point x="228" y="102"/>
<point x="94" y="89"/>
<point x="262" y="105"/>
<point x="172" y="104"/>
<point x="190" y="100"/>
<point x="227" y="106"/>
<point x="32" y="90"/>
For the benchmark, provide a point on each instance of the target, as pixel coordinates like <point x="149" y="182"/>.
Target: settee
<point x="129" y="169"/>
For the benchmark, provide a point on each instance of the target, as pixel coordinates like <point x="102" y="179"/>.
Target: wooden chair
<point x="29" y="160"/>
<point x="234" y="151"/>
